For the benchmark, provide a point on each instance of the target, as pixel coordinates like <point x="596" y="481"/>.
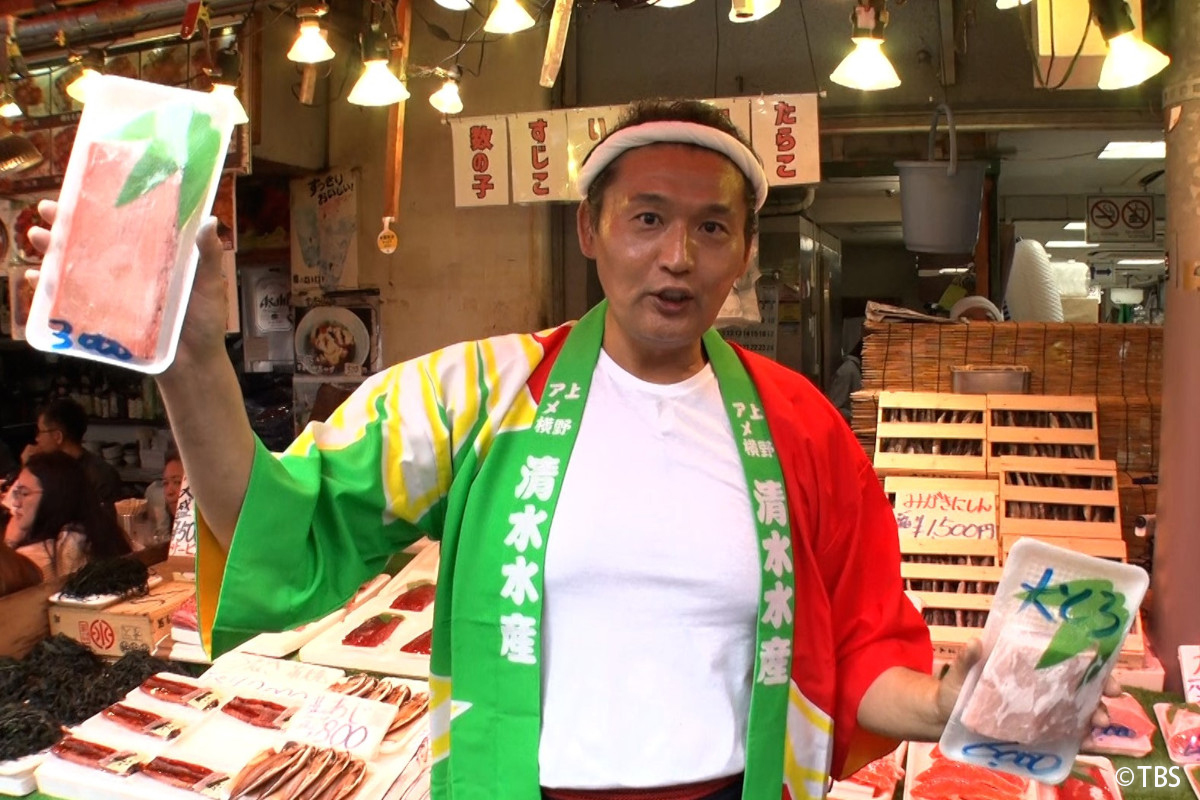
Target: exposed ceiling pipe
<point x="102" y="20"/>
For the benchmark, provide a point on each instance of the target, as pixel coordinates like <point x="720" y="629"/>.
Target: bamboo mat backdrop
<point x="1120" y="364"/>
<point x="1063" y="358"/>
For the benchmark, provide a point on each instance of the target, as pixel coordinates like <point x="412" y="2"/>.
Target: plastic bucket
<point x="940" y="200"/>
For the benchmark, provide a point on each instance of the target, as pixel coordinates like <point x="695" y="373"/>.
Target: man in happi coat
<point x="667" y="569"/>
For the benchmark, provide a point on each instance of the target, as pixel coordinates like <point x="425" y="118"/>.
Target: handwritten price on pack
<point x="98" y="344"/>
<point x="343" y="723"/>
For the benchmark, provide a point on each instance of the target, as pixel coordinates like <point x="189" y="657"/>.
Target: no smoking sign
<point x="1120" y="218"/>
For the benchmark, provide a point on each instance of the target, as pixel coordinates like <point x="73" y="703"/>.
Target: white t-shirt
<point x="651" y="592"/>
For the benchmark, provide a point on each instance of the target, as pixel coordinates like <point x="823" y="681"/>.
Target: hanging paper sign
<point x="1189" y="664"/>
<point x="324" y="234"/>
<point x="786" y="138"/>
<point x="585" y="128"/>
<point x="737" y="109"/>
<point x="480" y="161"/>
<point x="539" y="157"/>
<point x="183" y="529"/>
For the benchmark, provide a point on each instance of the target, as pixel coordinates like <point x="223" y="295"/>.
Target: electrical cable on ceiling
<point x="1026" y="17"/>
<point x="812" y="64"/>
<point x="717" y="38"/>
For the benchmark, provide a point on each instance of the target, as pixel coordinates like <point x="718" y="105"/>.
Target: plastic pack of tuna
<point x="1052" y="637"/>
<point x="1129" y="731"/>
<point x="142" y="176"/>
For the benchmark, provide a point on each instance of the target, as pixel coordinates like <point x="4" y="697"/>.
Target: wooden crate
<point x="944" y="432"/>
<point x="1059" y="499"/>
<point x="1041" y="426"/>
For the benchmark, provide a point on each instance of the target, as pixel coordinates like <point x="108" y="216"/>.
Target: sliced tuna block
<point x="116" y="262"/>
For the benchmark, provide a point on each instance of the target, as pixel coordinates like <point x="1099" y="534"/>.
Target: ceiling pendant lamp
<point x="673" y="3"/>
<point x="225" y="79"/>
<point x="508" y="16"/>
<point x="8" y="104"/>
<point x="866" y="67"/>
<point x="751" y="10"/>
<point x="378" y="85"/>
<point x="1130" y="61"/>
<point x="310" y="46"/>
<point x="447" y="99"/>
<point x="82" y="73"/>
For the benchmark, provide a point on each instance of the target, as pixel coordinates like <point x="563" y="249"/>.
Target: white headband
<point x="692" y="133"/>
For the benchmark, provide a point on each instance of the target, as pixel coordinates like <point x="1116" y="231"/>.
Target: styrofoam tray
<point x="1193" y="775"/>
<point x="846" y="790"/>
<point x="1106" y="770"/>
<point x="920" y="759"/>
<point x="1160" y="713"/>
<point x="100" y="600"/>
<point x="387" y="658"/>
<point x="16" y="776"/>
<point x="188" y="653"/>
<point x="285" y="643"/>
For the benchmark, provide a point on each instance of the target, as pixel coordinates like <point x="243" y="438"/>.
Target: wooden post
<point x="394" y="159"/>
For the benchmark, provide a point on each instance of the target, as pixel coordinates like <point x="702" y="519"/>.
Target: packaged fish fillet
<point x="1180" y="725"/>
<point x="1052" y="637"/>
<point x="142" y="177"/>
<point x="1128" y="732"/>
<point x="1189" y="667"/>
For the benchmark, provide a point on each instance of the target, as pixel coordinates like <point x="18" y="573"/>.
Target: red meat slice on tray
<point x="880" y="775"/>
<point x="186" y="615"/>
<point x="945" y="779"/>
<point x="374" y="631"/>
<point x="420" y="645"/>
<point x="1086" y="782"/>
<point x="115" y="265"/>
<point x="417" y="598"/>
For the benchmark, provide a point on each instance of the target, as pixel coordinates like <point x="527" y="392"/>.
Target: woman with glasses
<point x="57" y="520"/>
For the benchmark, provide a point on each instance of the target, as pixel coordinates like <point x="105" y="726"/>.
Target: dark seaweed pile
<point x="108" y="576"/>
<point x="68" y="683"/>
<point x="25" y="730"/>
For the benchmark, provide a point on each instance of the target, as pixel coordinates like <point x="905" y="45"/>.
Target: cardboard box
<point x="135" y="624"/>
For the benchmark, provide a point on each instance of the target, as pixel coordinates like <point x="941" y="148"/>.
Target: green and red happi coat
<point x="468" y="445"/>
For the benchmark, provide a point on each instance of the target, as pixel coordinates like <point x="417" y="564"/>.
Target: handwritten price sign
<point x="1189" y="665"/>
<point x="952" y="514"/>
<point x="343" y="723"/>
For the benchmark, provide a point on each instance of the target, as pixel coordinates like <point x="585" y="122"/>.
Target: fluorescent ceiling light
<point x="1142" y="150"/>
<point x="953" y="270"/>
<point x="1140" y="262"/>
<point x="1073" y="243"/>
<point x="1075" y="226"/>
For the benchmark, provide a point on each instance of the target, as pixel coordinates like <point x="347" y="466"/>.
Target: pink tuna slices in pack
<point x="1052" y="637"/>
<point x="1129" y="731"/>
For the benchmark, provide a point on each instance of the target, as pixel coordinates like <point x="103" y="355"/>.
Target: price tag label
<point x="343" y="723"/>
<point x="387" y="240"/>
<point x="1189" y="665"/>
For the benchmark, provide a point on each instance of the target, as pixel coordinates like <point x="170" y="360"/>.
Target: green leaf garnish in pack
<point x="1090" y="614"/>
<point x="178" y="138"/>
<point x="1175" y="708"/>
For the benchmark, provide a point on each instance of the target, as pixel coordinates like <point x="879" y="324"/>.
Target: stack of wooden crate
<point x="969" y="475"/>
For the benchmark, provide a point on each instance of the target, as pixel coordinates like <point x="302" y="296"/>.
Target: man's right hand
<point x="203" y="336"/>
